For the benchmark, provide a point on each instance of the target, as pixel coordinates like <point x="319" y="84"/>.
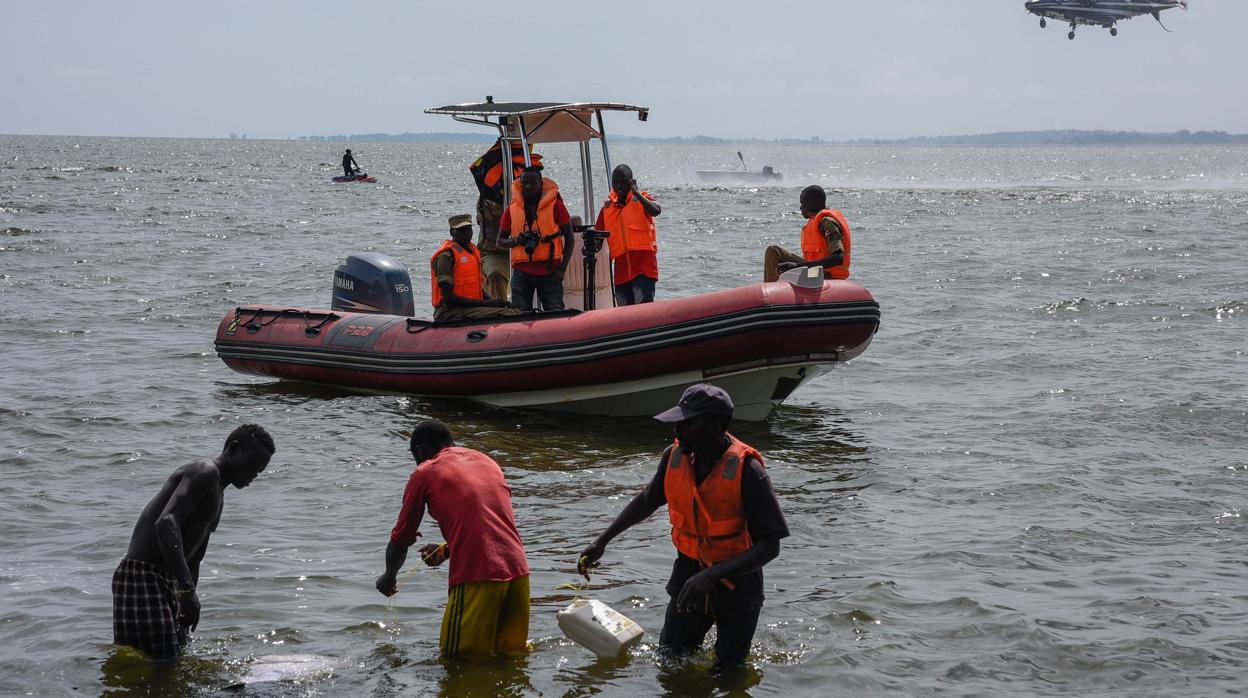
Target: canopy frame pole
<point x="588" y="240"/>
<point x="587" y="182"/>
<point x="507" y="167"/>
<point x="524" y="143"/>
<point x="485" y="121"/>
<point x="517" y="123"/>
<point x="602" y="135"/>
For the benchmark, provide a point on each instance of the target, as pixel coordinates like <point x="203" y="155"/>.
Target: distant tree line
<point x="1065" y="137"/>
<point x="423" y="137"/>
<point x="1070" y="137"/>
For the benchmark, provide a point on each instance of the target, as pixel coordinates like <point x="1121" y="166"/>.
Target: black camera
<point x="530" y="239"/>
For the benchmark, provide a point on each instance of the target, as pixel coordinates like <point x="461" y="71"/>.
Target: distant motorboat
<point x="741" y="175"/>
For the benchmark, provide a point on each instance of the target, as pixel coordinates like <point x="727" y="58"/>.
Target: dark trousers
<point x="639" y="290"/>
<point x="683" y="632"/>
<point x="549" y="289"/>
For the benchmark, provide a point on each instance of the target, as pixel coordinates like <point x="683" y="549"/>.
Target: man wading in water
<point x="726" y="525"/>
<point x="155" y="605"/>
<point x="487" y="610"/>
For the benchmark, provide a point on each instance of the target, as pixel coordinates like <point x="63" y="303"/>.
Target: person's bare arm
<point x="636" y="511"/>
<point x="198" y="482"/>
<point x="650" y="206"/>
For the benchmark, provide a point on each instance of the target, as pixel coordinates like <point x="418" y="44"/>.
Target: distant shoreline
<point x="1054" y="137"/>
<point x="1070" y="137"/>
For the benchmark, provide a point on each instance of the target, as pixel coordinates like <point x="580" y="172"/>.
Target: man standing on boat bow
<point x="726" y="525"/>
<point x="455" y="268"/>
<point x="629" y="216"/>
<point x="825" y="240"/>
<point x="537" y="228"/>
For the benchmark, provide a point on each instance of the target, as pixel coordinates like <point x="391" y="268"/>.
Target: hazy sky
<point x="837" y="69"/>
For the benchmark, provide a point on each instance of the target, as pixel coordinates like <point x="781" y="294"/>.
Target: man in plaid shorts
<point x="154" y="601"/>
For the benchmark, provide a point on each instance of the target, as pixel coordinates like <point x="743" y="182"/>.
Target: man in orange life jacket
<point x="487" y="171"/>
<point x="537" y="229"/>
<point x="825" y="241"/>
<point x="629" y="216"/>
<point x="726" y="525"/>
<point x="456" y="275"/>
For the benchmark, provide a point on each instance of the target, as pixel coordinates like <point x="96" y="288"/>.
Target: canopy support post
<point x="602" y="136"/>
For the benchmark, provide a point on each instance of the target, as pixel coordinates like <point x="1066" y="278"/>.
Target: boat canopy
<point x="540" y="122"/>
<point x="520" y="125"/>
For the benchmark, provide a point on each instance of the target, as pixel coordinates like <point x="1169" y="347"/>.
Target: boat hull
<point x="762" y="340"/>
<point x="755" y="392"/>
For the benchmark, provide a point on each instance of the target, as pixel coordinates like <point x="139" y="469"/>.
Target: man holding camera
<point x="543" y="231"/>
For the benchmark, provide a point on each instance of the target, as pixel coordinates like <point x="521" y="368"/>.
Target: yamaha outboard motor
<point x="371" y="282"/>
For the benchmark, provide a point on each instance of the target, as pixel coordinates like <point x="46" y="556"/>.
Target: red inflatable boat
<point x="759" y="342"/>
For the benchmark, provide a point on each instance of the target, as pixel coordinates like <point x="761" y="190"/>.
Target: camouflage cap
<point x="460" y="220"/>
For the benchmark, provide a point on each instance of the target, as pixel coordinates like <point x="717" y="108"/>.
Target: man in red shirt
<point x="487" y="612"/>
<point x="543" y="233"/>
<point x="629" y="216"/>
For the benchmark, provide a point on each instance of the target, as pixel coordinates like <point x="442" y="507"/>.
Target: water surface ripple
<point x="1032" y="483"/>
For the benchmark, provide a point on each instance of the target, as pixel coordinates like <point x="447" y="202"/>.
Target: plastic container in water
<point x="598" y="627"/>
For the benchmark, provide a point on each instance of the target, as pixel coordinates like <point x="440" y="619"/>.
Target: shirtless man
<point x="155" y="605"/>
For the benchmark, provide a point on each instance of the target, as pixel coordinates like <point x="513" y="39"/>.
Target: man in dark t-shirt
<point x="710" y="481"/>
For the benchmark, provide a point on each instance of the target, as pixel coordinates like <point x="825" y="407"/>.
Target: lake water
<point x="1032" y="482"/>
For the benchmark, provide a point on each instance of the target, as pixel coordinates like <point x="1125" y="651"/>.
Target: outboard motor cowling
<point x="371" y="282"/>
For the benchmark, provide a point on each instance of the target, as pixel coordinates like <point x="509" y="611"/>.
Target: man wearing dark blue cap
<point x="726" y="525"/>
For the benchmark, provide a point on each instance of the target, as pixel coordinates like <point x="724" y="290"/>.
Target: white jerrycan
<point x="598" y="627"/>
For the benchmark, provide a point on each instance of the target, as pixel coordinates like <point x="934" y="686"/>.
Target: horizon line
<point x="698" y="139"/>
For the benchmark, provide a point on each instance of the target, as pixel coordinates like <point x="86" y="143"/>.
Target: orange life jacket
<point x="467" y="272"/>
<point x="487" y="170"/>
<point x="708" y="520"/>
<point x="815" y="245"/>
<point x="551" y="246"/>
<point x="630" y="227"/>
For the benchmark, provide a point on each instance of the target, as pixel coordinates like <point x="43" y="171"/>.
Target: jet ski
<point x="357" y="177"/>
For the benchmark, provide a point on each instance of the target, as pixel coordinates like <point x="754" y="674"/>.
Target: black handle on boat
<point x="591" y="242"/>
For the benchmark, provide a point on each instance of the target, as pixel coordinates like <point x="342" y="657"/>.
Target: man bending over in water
<point x="154" y="601"/>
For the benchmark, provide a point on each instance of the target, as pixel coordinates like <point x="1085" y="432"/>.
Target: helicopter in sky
<point x="1101" y="13"/>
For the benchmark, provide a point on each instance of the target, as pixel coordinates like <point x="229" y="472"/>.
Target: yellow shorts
<point x="486" y="619"/>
